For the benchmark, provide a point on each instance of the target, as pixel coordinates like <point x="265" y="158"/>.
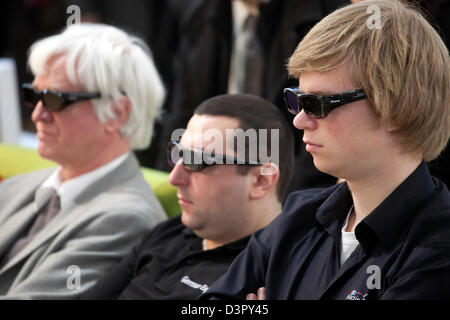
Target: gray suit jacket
<point x="81" y="243"/>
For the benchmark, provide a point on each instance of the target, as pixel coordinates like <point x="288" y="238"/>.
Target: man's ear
<point x="265" y="179"/>
<point x="122" y="111"/>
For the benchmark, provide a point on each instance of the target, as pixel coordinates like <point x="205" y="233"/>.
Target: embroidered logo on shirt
<point x="195" y="285"/>
<point x="356" y="295"/>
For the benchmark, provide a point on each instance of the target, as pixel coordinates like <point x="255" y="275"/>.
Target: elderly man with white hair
<point x="95" y="94"/>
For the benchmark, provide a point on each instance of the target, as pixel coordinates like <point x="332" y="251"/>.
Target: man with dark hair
<point x="226" y="191"/>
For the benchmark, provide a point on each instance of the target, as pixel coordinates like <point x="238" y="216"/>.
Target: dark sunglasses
<point x="318" y="106"/>
<point x="199" y="160"/>
<point x="53" y="100"/>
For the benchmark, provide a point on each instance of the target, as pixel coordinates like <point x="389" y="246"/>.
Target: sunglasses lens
<point x="52" y="101"/>
<point x="291" y="102"/>
<point x="193" y="167"/>
<point x="174" y="153"/>
<point x="311" y="106"/>
<point x="192" y="160"/>
<point x="30" y="97"/>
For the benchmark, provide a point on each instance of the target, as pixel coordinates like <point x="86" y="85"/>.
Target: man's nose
<point x="179" y="176"/>
<point x="304" y="122"/>
<point x="41" y="114"/>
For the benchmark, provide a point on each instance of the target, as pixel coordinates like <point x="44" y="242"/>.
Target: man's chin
<point x="185" y="219"/>
<point x="46" y="151"/>
<point x="188" y="219"/>
<point x="325" y="166"/>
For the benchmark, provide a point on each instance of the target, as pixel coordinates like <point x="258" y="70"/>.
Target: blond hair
<point x="403" y="67"/>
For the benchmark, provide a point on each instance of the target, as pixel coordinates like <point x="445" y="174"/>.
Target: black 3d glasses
<point x="318" y="106"/>
<point x="199" y="160"/>
<point x="53" y="100"/>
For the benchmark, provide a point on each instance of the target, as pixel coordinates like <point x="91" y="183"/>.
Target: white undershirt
<point x="348" y="241"/>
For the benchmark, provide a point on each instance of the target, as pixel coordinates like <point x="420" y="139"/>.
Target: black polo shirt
<point x="168" y="264"/>
<point x="403" y="251"/>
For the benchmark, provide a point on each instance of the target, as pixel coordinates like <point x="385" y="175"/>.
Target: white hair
<point x="105" y="59"/>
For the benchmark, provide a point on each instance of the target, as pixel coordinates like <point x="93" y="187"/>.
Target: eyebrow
<point x="319" y="92"/>
<point x="50" y="89"/>
<point x="322" y="93"/>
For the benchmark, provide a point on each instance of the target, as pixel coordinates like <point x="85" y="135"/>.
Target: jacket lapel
<point x="21" y="210"/>
<point x="12" y="227"/>
<point x="28" y="185"/>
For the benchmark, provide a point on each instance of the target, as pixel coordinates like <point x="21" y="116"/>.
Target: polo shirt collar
<point x="393" y="215"/>
<point x="333" y="211"/>
<point x="387" y="221"/>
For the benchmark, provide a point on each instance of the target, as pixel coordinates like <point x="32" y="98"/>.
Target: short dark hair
<point x="256" y="113"/>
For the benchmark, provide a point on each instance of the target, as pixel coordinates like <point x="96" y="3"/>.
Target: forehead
<point x="329" y="82"/>
<point x="204" y="130"/>
<point x="54" y="76"/>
